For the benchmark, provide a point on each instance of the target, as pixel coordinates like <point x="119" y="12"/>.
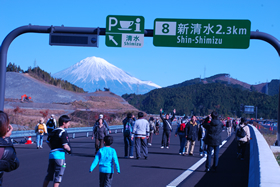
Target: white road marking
<point x="189" y="171"/>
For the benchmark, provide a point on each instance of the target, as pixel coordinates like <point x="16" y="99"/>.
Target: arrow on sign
<point x="112" y="38"/>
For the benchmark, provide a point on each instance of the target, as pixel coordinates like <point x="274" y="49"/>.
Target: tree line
<point x="202" y="99"/>
<point x="42" y="75"/>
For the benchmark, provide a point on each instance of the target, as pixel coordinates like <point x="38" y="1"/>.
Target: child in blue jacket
<point x="106" y="157"/>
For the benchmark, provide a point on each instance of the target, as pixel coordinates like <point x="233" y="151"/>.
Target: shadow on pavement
<point x="230" y="172"/>
<point x="158" y="167"/>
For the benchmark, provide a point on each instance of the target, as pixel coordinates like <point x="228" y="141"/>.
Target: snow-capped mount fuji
<point x="94" y="73"/>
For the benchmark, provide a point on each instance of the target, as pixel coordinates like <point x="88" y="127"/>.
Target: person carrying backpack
<point x="242" y="137"/>
<point x="152" y="130"/>
<point x="181" y="131"/>
<point x="51" y="124"/>
<point x="128" y="123"/>
<point x="40" y="129"/>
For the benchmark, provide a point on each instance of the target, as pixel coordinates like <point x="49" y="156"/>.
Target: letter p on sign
<point x="111" y="24"/>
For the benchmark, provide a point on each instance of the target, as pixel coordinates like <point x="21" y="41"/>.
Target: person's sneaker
<point x="191" y="154"/>
<point x="162" y="147"/>
<point x="149" y="144"/>
<point x="200" y="154"/>
<point x="180" y="153"/>
<point x="167" y="147"/>
<point x="41" y="147"/>
<point x="241" y="158"/>
<point x="126" y="157"/>
<point x="207" y="170"/>
<point x="37" y="147"/>
<point x="131" y="157"/>
<point x="146" y="157"/>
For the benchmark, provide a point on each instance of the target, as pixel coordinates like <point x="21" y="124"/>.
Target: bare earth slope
<point x="54" y="100"/>
<point x="18" y="84"/>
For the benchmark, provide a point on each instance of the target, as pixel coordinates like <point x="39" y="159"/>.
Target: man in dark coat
<point x="213" y="139"/>
<point x="167" y="128"/>
<point x="191" y="134"/>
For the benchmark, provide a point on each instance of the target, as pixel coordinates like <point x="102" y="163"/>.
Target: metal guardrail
<point x="73" y="131"/>
<point x="80" y="131"/>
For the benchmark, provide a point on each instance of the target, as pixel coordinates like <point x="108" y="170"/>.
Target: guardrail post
<point x="87" y="134"/>
<point x="73" y="136"/>
<point x="116" y="131"/>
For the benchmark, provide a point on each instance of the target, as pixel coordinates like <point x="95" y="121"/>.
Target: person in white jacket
<point x="242" y="142"/>
<point x="141" y="131"/>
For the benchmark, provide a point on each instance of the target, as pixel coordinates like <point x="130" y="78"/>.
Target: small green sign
<point x="202" y="33"/>
<point x="125" y="31"/>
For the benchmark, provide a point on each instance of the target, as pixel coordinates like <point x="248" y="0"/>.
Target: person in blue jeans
<point x="128" y="124"/>
<point x="107" y="158"/>
<point x="213" y="139"/>
<point x="201" y="136"/>
<point x="40" y="130"/>
<point x="181" y="131"/>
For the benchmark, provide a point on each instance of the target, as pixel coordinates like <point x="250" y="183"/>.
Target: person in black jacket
<point x="128" y="123"/>
<point x="99" y="132"/>
<point x="191" y="135"/>
<point x="9" y="160"/>
<point x="167" y="128"/>
<point x="213" y="139"/>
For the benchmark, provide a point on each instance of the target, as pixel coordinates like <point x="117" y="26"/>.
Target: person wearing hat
<point x="51" y="124"/>
<point x="242" y="142"/>
<point x="104" y="123"/>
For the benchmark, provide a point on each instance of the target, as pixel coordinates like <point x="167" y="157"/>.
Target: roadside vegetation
<point x="270" y="137"/>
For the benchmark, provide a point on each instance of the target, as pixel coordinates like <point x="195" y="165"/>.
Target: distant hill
<point x="202" y="99"/>
<point x="271" y="88"/>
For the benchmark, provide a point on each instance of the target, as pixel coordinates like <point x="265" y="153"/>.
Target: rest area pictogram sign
<point x="125" y="31"/>
<point x="202" y="33"/>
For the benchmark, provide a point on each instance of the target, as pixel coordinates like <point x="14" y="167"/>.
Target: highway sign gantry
<point x="125" y="31"/>
<point x="202" y="33"/>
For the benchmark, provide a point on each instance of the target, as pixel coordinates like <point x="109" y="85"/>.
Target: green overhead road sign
<point x="202" y="33"/>
<point x="125" y="31"/>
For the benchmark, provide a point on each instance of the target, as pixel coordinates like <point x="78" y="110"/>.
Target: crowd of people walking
<point x="137" y="132"/>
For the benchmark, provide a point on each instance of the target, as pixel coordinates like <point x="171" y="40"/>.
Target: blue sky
<point x="162" y="65"/>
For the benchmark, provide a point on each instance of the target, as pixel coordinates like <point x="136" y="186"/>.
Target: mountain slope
<point x="270" y="88"/>
<point x="93" y="73"/>
<point x="201" y="99"/>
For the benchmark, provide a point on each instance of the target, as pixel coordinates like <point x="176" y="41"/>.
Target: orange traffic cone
<point x="29" y="141"/>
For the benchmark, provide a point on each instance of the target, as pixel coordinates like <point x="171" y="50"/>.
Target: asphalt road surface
<point x="161" y="167"/>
